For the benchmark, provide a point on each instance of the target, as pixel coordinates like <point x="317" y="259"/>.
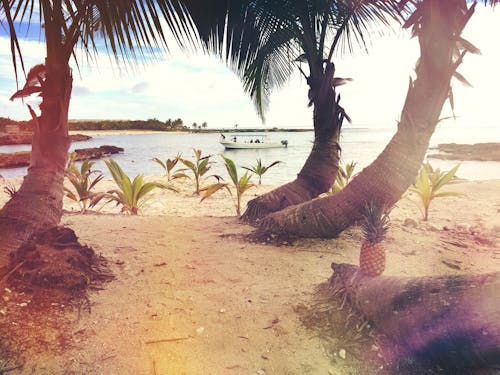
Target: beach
<point x="192" y="295"/>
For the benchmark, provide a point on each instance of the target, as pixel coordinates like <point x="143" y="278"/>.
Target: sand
<point x="193" y="296"/>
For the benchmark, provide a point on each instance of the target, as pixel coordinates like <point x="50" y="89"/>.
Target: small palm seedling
<point x="82" y="181"/>
<point x="169" y="165"/>
<point x="241" y="185"/>
<point x="199" y="168"/>
<point x="375" y="224"/>
<point x="428" y="182"/>
<point x="130" y="194"/>
<point x="10" y="189"/>
<point x="260" y="169"/>
<point x="344" y="176"/>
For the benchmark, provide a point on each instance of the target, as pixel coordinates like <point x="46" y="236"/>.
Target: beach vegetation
<point x="269" y="44"/>
<point x="128" y="30"/>
<point x="10" y="189"/>
<point x="390" y="175"/>
<point x="83" y="180"/>
<point x="149" y="124"/>
<point x="130" y="194"/>
<point x="428" y="184"/>
<point x="259" y="169"/>
<point x="344" y="176"/>
<point x="169" y="165"/>
<point x="198" y="168"/>
<point x="239" y="184"/>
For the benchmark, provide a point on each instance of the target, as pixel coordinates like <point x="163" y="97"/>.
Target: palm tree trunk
<point x="38" y="203"/>
<point x="394" y="170"/>
<point x="320" y="169"/>
<point x="451" y="321"/>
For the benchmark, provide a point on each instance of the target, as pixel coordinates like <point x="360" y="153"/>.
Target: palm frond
<point x="131" y="30"/>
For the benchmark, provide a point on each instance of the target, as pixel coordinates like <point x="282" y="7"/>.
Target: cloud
<point x="140" y="87"/>
<point x="198" y="88"/>
<point x="80" y="91"/>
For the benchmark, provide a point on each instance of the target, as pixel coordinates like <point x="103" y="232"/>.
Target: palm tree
<point x="438" y="25"/>
<point x="131" y="30"/>
<point x="269" y="40"/>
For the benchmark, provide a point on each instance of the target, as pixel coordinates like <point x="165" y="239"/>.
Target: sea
<point x="361" y="144"/>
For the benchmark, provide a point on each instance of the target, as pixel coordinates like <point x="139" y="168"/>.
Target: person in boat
<point x="222" y="136"/>
<point x="257" y="141"/>
<point x="234" y="139"/>
<point x="251" y="140"/>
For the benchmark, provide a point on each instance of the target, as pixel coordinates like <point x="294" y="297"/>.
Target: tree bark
<point x="320" y="169"/>
<point x="394" y="170"/>
<point x="437" y="320"/>
<point x="38" y="203"/>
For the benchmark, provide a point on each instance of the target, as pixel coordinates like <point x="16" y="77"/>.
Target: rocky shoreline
<point x="22" y="158"/>
<point x="24" y="138"/>
<point x="477" y="151"/>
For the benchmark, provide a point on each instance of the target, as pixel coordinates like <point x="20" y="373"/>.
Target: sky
<point x="200" y="88"/>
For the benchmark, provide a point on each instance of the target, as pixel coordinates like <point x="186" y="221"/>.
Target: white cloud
<point x="198" y="88"/>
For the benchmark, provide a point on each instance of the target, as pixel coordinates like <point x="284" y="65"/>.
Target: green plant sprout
<point x="82" y="181"/>
<point x="199" y="168"/>
<point x="344" y="176"/>
<point x="241" y="185"/>
<point x="427" y="184"/>
<point x="130" y="194"/>
<point x="260" y="169"/>
<point x="169" y="165"/>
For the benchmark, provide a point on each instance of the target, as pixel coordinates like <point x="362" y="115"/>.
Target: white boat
<point x="250" y="141"/>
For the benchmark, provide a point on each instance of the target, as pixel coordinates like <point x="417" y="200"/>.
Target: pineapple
<point x="375" y="224"/>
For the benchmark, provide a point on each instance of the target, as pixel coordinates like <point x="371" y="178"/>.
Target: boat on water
<point x="250" y="141"/>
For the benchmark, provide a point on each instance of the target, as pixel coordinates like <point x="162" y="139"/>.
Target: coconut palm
<point x="438" y="25"/>
<point x="131" y="30"/>
<point x="268" y="41"/>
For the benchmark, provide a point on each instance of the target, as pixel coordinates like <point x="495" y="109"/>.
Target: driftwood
<point x="450" y="322"/>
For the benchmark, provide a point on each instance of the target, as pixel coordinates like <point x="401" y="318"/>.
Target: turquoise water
<point x="360" y="144"/>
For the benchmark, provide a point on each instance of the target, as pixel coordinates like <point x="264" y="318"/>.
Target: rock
<point x="79" y="137"/>
<point x="478" y="151"/>
<point x="200" y="330"/>
<point x="97" y="152"/>
<point x="463" y="227"/>
<point x="16" y="138"/>
<point x="432" y="228"/>
<point x="15" y="159"/>
<point x="410" y="223"/>
<point x="342" y="353"/>
<point x="25" y="138"/>
<point x="22" y="158"/>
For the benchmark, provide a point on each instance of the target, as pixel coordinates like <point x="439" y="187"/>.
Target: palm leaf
<point x="132" y="30"/>
<point x="212" y="189"/>
<point x="446" y="178"/>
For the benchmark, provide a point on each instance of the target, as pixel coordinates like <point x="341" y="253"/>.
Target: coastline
<point x="478" y="196"/>
<point x="190" y="131"/>
<point x="122" y="132"/>
<point x="185" y="271"/>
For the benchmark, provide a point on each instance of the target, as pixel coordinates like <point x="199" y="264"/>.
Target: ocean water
<point x="359" y="144"/>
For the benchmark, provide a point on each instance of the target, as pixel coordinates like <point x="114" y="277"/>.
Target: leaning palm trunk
<point x="394" y="170"/>
<point x="320" y="169"/>
<point x="38" y="203"/>
<point x="451" y="321"/>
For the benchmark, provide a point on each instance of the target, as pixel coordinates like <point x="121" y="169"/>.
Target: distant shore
<point x="122" y="132"/>
<point x="207" y="131"/>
